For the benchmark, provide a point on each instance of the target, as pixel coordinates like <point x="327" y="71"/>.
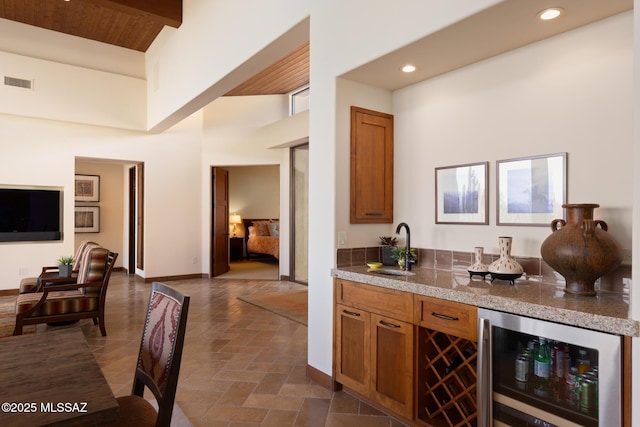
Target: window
<point x="299" y="101"/>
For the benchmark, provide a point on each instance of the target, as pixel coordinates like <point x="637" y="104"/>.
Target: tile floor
<point x="242" y="366"/>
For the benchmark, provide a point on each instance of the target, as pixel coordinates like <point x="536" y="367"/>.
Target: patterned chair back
<point x="80" y="252"/>
<point x="161" y="348"/>
<point x="93" y="268"/>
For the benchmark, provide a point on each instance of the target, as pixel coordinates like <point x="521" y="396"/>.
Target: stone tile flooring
<point x="242" y="366"/>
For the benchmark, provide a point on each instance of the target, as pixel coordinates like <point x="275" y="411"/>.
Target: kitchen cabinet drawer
<point x="450" y="317"/>
<point x="387" y="302"/>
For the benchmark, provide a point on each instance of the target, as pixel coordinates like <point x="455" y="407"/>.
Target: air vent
<point x="16" y="82"/>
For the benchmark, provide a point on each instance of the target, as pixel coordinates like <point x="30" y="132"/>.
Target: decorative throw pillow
<point x="262" y="227"/>
<point x="274" y="228"/>
<point x="252" y="232"/>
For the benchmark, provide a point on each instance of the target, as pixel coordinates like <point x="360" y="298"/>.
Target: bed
<point x="262" y="238"/>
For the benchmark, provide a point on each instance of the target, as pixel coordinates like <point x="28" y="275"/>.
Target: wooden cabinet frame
<point x="371" y="167"/>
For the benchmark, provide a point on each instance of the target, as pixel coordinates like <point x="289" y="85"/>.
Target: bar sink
<point x="391" y="272"/>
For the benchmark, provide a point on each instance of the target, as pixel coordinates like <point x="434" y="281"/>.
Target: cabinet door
<point x="392" y="364"/>
<point x="371" y="167"/>
<point x="352" y="348"/>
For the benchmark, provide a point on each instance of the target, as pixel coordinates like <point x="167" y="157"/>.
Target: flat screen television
<point x="30" y="214"/>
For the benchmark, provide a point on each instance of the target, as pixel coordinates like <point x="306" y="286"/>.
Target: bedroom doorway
<point x="254" y="193"/>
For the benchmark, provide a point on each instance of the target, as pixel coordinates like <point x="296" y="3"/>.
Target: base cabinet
<point x="446" y="362"/>
<point x="417" y="357"/>
<point x="411" y="355"/>
<point x="352" y="344"/>
<point x="374" y="352"/>
<point x="392" y="364"/>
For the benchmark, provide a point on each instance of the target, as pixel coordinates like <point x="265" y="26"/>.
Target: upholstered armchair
<point x="67" y="302"/>
<point x="32" y="284"/>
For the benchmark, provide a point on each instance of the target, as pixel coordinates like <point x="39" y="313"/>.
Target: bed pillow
<point x="252" y="231"/>
<point x="262" y="228"/>
<point x="274" y="228"/>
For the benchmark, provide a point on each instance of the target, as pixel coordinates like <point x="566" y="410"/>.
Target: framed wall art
<point x="87" y="219"/>
<point x="461" y="194"/>
<point x="531" y="190"/>
<point x="87" y="188"/>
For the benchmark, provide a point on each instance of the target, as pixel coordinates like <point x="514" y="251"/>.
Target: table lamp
<point x="235" y="219"/>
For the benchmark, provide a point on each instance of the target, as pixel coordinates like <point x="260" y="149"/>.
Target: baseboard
<point x="9" y="292"/>
<point x="323" y="379"/>
<point x="284" y="278"/>
<point x="180" y="277"/>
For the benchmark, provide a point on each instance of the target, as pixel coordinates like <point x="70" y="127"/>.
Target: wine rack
<point x="447" y="378"/>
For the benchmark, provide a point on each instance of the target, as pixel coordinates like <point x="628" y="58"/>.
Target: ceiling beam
<point x="166" y="12"/>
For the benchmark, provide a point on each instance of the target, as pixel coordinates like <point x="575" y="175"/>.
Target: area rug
<point x="290" y="304"/>
<point x="8" y="318"/>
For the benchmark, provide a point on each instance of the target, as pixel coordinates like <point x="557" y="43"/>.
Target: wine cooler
<point x="534" y="372"/>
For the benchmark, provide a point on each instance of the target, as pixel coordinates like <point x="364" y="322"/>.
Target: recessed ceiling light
<point x="551" y="13"/>
<point x="408" y="68"/>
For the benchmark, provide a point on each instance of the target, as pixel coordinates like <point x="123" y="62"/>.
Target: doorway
<point x="219" y="221"/>
<point x="299" y="260"/>
<point x="253" y="194"/>
<point x="136" y="219"/>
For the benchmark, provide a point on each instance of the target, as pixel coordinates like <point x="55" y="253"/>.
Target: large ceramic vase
<point x="580" y="249"/>
<point x="505" y="267"/>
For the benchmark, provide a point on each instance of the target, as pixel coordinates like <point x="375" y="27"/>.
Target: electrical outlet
<point x="626" y="257"/>
<point x="23" y="271"/>
<point x="342" y="238"/>
<point x="194" y="260"/>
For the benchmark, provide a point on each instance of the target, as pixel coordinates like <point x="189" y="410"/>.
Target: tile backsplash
<point x="616" y="281"/>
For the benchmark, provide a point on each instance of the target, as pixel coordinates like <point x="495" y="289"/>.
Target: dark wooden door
<point x="219" y="221"/>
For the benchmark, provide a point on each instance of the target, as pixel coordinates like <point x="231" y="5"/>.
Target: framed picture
<point x="461" y="194"/>
<point x="531" y="190"/>
<point x="87" y="188"/>
<point x="87" y="219"/>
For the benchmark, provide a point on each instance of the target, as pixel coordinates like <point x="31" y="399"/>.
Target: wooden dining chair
<point x="158" y="360"/>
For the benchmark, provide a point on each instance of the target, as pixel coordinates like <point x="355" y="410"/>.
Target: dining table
<point x="53" y="379"/>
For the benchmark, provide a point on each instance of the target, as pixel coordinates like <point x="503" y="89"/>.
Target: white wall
<point x="43" y="152"/>
<point x="571" y="93"/>
<point x="189" y="67"/>
<point x="71" y="93"/>
<point x="254" y="191"/>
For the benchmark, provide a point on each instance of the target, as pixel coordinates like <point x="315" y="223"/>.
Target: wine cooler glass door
<point x="534" y="369"/>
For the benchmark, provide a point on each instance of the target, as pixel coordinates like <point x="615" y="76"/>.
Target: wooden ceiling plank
<point x="166" y="12"/>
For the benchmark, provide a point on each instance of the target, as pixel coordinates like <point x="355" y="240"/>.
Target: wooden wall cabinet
<point x="374" y="344"/>
<point x="371" y="167"/>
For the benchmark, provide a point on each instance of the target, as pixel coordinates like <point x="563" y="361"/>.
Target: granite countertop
<point x="606" y="312"/>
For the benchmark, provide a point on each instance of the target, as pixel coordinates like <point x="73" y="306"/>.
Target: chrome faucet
<point x="408" y="259"/>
